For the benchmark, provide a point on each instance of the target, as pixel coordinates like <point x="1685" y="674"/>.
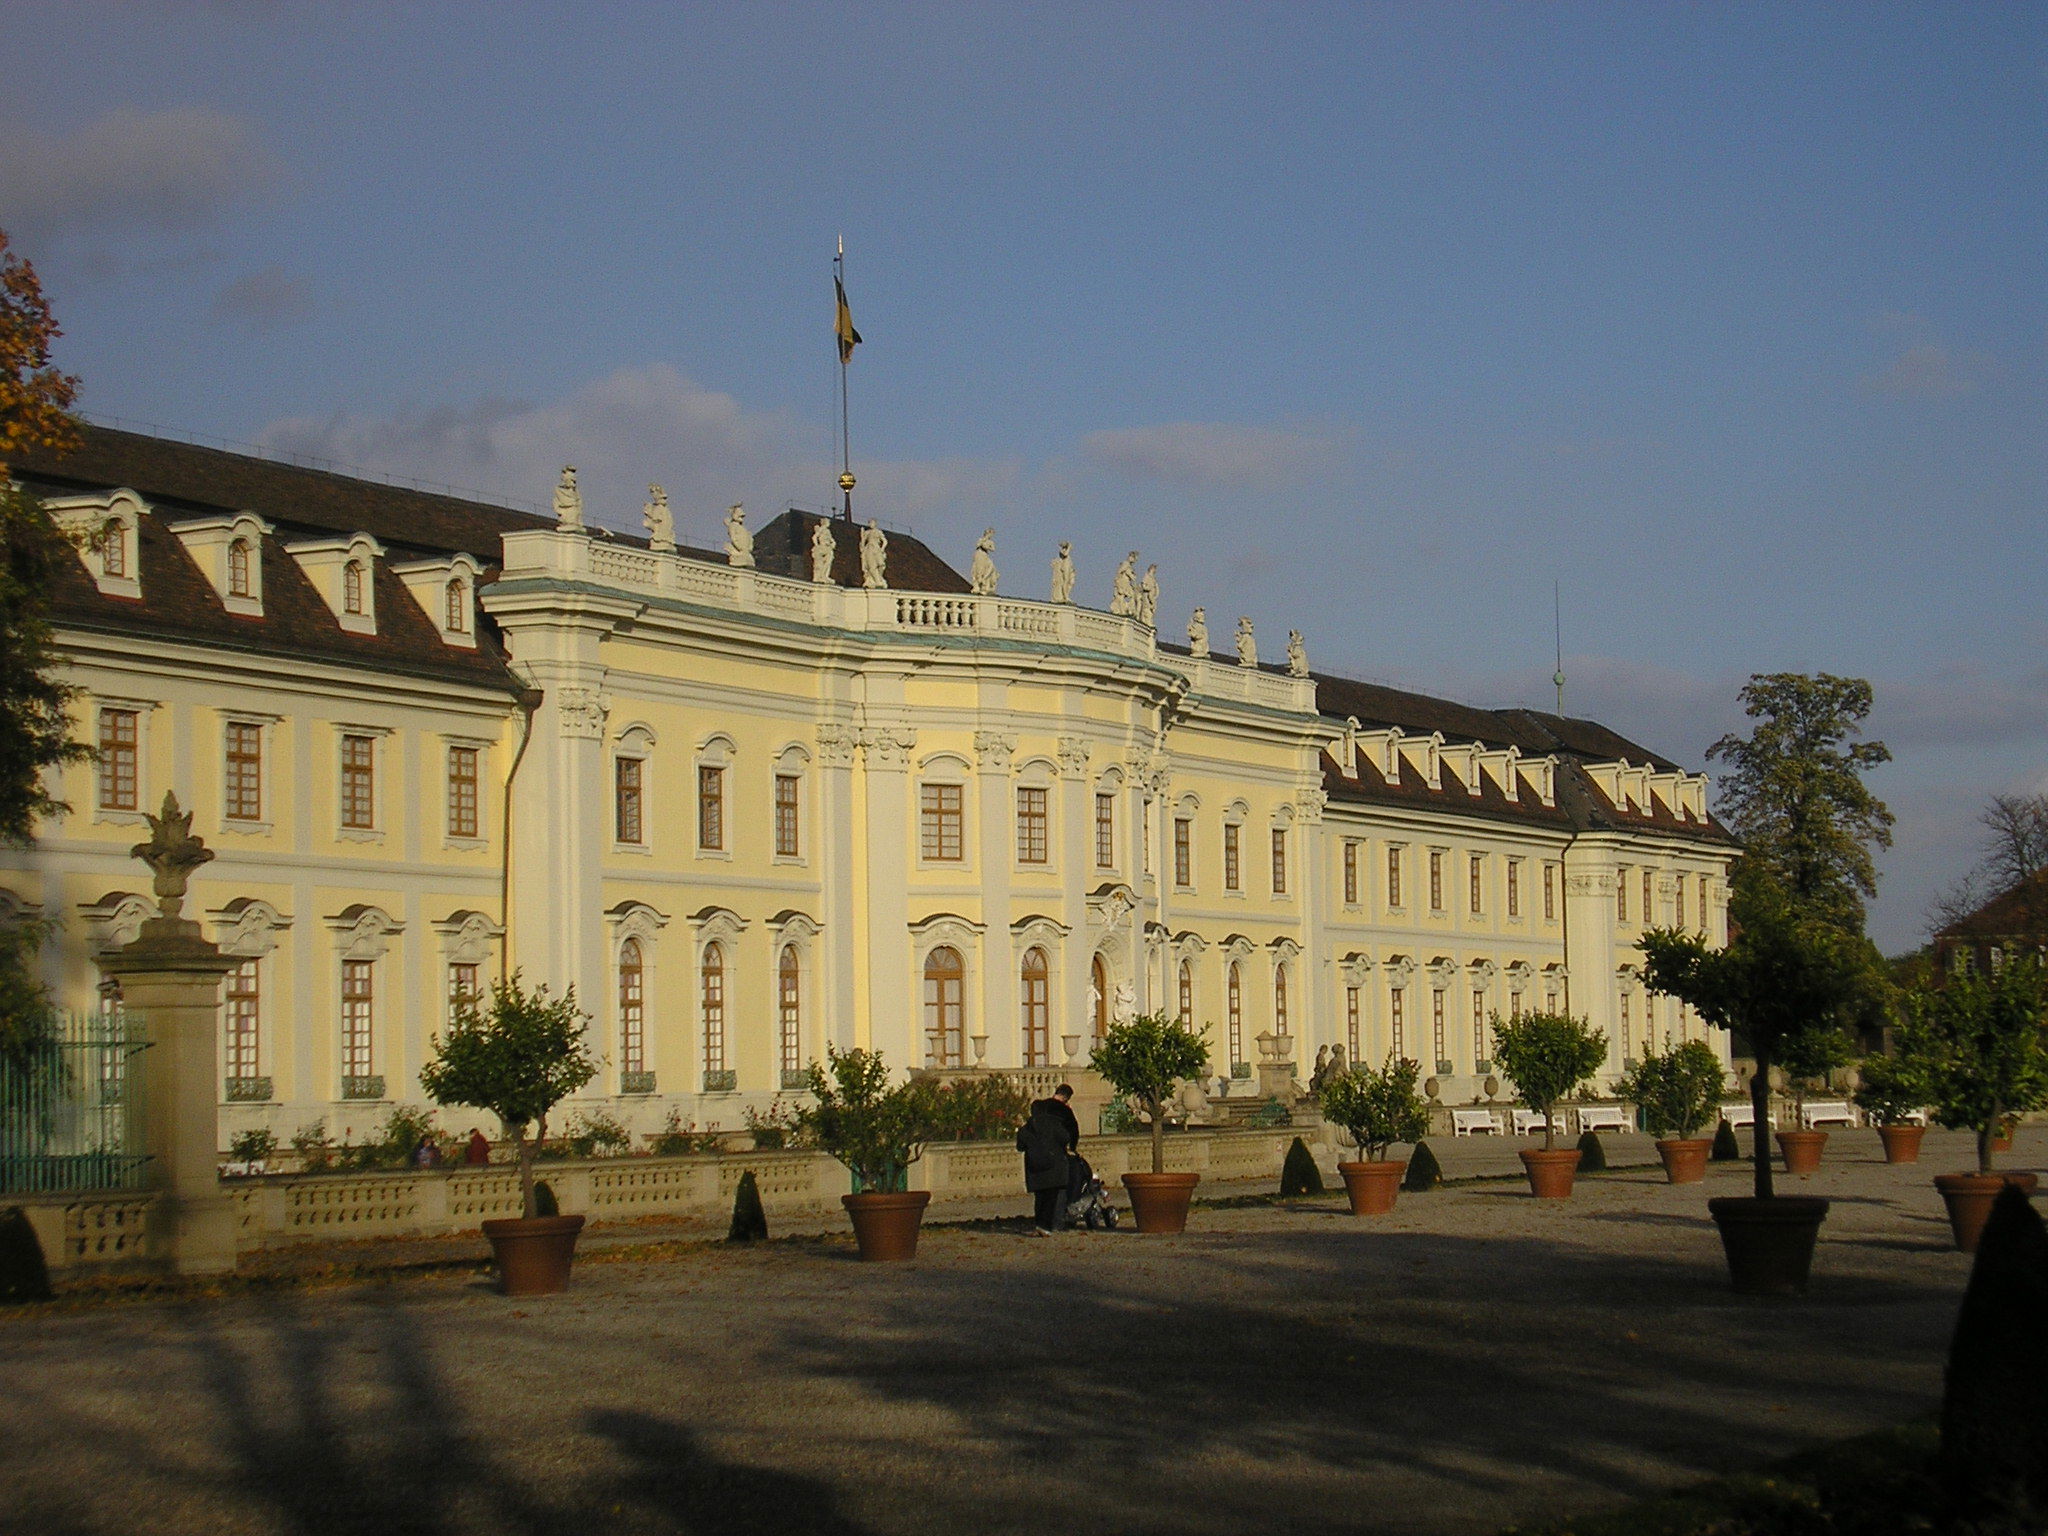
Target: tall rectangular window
<point x="788" y="825"/>
<point x="789" y="1012"/>
<point x="117" y="786"/>
<point x="628" y="823"/>
<point x="1030" y="825"/>
<point x="1279" y="862"/>
<point x="1438" y="1037"/>
<point x="1626" y="1050"/>
<point x="359" y="783"/>
<point x="1678" y="902"/>
<point x="462" y="801"/>
<point x="1514" y="887"/>
<point x="712" y="992"/>
<point x="1233" y="1012"/>
<point x="1183" y="852"/>
<point x="1393" y="877"/>
<point x="1232" y="875"/>
<point x="464" y="987"/>
<point x="1479" y="1051"/>
<point x="1105" y="831"/>
<point x="243" y="775"/>
<point x="939" y="837"/>
<point x="1397" y="1022"/>
<point x="1350" y="874"/>
<point x="1351" y="1025"/>
<point x="1476" y="882"/>
<point x="244" y="1008"/>
<point x="710" y="807"/>
<point x="1187" y="992"/>
<point x="358" y="994"/>
<point x="1550" y="893"/>
<point x="1649" y="909"/>
<point x="632" y="1009"/>
<point x="1436" y="880"/>
<point x="1621" y="896"/>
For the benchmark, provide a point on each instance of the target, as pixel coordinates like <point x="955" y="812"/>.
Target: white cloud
<point x="266" y="299"/>
<point x="1930" y="371"/>
<point x="1206" y="453"/>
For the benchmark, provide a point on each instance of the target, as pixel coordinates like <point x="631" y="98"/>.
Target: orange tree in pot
<point x="1548" y="1057"/>
<point x="1144" y="1059"/>
<point x="1809" y="1060"/>
<point x="1378" y="1108"/>
<point x="877" y="1130"/>
<point x="1889" y="1089"/>
<point x="518" y="1057"/>
<point x="1982" y="1042"/>
<point x="1679" y="1093"/>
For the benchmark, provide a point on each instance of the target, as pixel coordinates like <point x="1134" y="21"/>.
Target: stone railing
<point x="109" y="1230"/>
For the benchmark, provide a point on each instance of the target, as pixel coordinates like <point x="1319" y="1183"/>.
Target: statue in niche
<point x="1063" y="574"/>
<point x="1123" y="597"/>
<point x="981" y="577"/>
<point x="171" y="853"/>
<point x="874" y="556"/>
<point x="823" y="548"/>
<point x="1297" y="655"/>
<point x="1125" y="1007"/>
<point x="739" y="544"/>
<point x="1198" y="632"/>
<point x="1247" y="647"/>
<point x="661" y="523"/>
<point x="1148" y="597"/>
<point x="568" y="502"/>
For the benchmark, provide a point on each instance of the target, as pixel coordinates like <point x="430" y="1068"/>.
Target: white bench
<point x="1742" y="1117"/>
<point x="1604" y="1117"/>
<point x="1474" y="1122"/>
<point x="1830" y="1112"/>
<point x="1528" y="1122"/>
<point x="1912" y="1117"/>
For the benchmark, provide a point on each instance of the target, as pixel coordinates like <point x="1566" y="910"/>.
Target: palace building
<point x="755" y="800"/>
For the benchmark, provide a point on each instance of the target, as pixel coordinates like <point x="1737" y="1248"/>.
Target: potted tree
<point x="1983" y="1044"/>
<point x="1548" y="1057"/>
<point x="1678" y="1093"/>
<point x="1780" y="976"/>
<point x="1808" y="1059"/>
<point x="877" y="1131"/>
<point x="518" y="1057"/>
<point x="1891" y="1088"/>
<point x="1378" y="1108"/>
<point x="1143" y="1059"/>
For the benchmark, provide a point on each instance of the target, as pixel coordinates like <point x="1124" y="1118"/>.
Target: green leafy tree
<point x="1809" y="1061"/>
<point x="1891" y="1088"/>
<point x="517" y="1057"/>
<point x="1794" y="791"/>
<point x="1678" y="1092"/>
<point x="877" y="1130"/>
<point x="1378" y="1107"/>
<point x="1982" y="1043"/>
<point x="1783" y="974"/>
<point x="1144" y="1059"/>
<point x="1548" y="1057"/>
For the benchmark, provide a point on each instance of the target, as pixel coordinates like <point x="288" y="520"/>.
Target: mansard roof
<point x="2019" y="912"/>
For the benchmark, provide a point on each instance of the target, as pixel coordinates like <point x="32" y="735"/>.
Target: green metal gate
<point x="71" y="1106"/>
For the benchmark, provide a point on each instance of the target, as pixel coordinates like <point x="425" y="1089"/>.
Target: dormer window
<point x="352" y="587"/>
<point x="445" y="587"/>
<point x="458" y="606"/>
<point x="238" y="569"/>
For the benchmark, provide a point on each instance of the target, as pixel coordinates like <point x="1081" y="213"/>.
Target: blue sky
<point x="1368" y="320"/>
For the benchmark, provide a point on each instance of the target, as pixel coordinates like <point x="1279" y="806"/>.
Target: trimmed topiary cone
<point x="749" y="1221"/>
<point x="1994" y="1413"/>
<point x="1299" y="1174"/>
<point x="1726" y="1148"/>
<point x="24" y="1276"/>
<point x="1592" y="1156"/>
<point x="1424" y="1171"/>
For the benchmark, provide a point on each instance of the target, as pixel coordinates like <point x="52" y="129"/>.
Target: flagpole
<point x="845" y="438"/>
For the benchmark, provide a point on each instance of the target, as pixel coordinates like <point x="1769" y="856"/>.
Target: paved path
<point x="1475" y="1358"/>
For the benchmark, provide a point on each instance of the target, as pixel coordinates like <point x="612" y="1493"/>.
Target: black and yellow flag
<point x="849" y="338"/>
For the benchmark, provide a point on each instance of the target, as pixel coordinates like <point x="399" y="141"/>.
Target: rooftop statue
<point x="1148" y="597"/>
<point x="874" y="556"/>
<point x="1198" y="632"/>
<point x="172" y="853"/>
<point x="823" y="548"/>
<point x="1297" y="655"/>
<point x="739" y="544"/>
<point x="1247" y="647"/>
<point x="1123" y="597"/>
<point x="568" y="502"/>
<point x="982" y="577"/>
<point x="661" y="523"/>
<point x="1063" y="574"/>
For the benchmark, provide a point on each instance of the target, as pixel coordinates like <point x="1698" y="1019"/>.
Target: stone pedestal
<point x="1276" y="1076"/>
<point x="170" y="986"/>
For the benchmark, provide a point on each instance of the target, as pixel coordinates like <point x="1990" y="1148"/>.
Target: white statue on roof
<point x="982" y="576"/>
<point x="1123" y="597"/>
<point x="1247" y="647"/>
<point x="1148" y="597"/>
<point x="823" y="548"/>
<point x="1198" y="632"/>
<point x="874" y="556"/>
<point x="739" y="544"/>
<point x="661" y="523"/>
<point x="1063" y="574"/>
<point x="1297" y="655"/>
<point x="568" y="502"/>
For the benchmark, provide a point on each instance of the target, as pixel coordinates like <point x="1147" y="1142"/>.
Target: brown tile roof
<point x="783" y="547"/>
<point x="2018" y="913"/>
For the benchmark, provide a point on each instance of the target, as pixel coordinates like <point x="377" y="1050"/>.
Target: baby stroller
<point x="1087" y="1200"/>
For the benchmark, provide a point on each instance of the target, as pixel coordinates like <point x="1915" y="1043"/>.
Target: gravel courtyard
<point x="1476" y="1359"/>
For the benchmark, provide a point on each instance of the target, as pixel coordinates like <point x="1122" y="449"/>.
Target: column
<point x="894" y="997"/>
<point x="994" y="843"/>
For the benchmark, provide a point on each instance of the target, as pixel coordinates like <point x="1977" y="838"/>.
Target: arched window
<point x="1035" y="990"/>
<point x="945" y="1023"/>
<point x="458" y="607"/>
<point x="1234" y="1009"/>
<point x="789" y="1018"/>
<point x="714" y="1007"/>
<point x="1280" y="999"/>
<point x="238" y="574"/>
<point x="352" y="587"/>
<point x="1187" y="992"/>
<point x="1098" y="978"/>
<point x="632" y="1009"/>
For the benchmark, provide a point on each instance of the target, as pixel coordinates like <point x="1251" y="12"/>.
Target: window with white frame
<point x="359" y="782"/>
<point x="711" y="997"/>
<point x="632" y="1009"/>
<point x="1105" y="831"/>
<point x="788" y="816"/>
<point x="243" y="1016"/>
<point x="789" y="1012"/>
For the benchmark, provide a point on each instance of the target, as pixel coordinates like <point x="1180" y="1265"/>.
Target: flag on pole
<point x="849" y="338"/>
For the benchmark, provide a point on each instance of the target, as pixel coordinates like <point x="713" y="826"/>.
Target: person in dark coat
<point x="1049" y="1137"/>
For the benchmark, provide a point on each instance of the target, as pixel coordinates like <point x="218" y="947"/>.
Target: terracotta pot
<point x="1159" y="1201"/>
<point x="2002" y="1143"/>
<point x="1769" y="1243"/>
<point x="533" y="1254"/>
<point x="1372" y="1186"/>
<point x="885" y="1226"/>
<point x="1901" y="1142"/>
<point x="1802" y="1149"/>
<point x="1969" y="1197"/>
<point x="1685" y="1159"/>
<point x="1550" y="1173"/>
